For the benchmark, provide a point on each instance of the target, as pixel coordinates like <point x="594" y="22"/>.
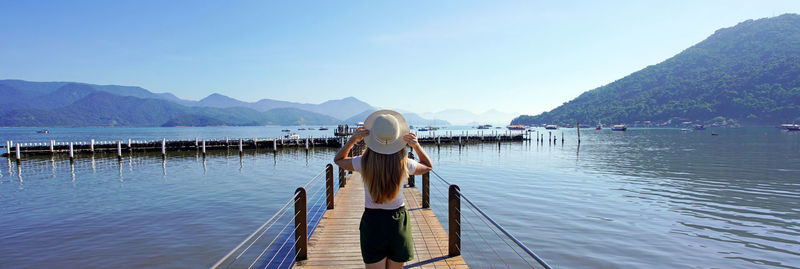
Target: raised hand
<point x="411" y="139"/>
<point x="359" y="134"/>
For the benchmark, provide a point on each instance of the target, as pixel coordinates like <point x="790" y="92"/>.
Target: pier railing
<point x="281" y="240"/>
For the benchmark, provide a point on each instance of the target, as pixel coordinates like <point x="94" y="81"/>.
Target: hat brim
<point x="391" y="147"/>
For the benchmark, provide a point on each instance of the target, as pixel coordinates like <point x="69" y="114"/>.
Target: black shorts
<point x="386" y="234"/>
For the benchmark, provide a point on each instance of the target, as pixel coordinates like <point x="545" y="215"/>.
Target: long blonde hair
<point x="383" y="174"/>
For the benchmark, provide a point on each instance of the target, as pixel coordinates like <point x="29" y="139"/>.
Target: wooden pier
<point x="18" y="150"/>
<point x="335" y="242"/>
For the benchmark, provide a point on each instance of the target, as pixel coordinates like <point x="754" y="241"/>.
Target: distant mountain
<point x="105" y="109"/>
<point x="465" y="117"/>
<point x="41" y="90"/>
<point x="20" y="94"/>
<point x="749" y="72"/>
<point x="340" y="109"/>
<point x="411" y="119"/>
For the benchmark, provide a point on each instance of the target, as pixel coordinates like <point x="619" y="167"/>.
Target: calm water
<point x="645" y="198"/>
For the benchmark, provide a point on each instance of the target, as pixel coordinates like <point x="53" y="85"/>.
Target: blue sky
<point x="425" y="56"/>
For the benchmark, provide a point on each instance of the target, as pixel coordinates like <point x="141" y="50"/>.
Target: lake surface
<point x="645" y="198"/>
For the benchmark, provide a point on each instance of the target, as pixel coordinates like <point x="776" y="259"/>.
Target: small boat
<point x="43" y="131"/>
<point x="516" y="127"/>
<point x="292" y="136"/>
<point x="286" y="130"/>
<point x="551" y="127"/>
<point x="793" y="128"/>
<point x="423" y="129"/>
<point x="498" y="127"/>
<point x="786" y="126"/>
<point x="699" y="127"/>
<point x="619" y="127"/>
<point x="715" y="134"/>
<point x="323" y="128"/>
<point x="485" y="126"/>
<point x="301" y="129"/>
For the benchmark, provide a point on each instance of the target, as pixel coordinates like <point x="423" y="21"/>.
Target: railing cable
<point x="514" y="239"/>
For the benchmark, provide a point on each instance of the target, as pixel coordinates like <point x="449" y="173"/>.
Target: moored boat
<point x="516" y="127"/>
<point x="286" y="130"/>
<point x="551" y="127"/>
<point x="292" y="136"/>
<point x="699" y="127"/>
<point x="619" y="127"/>
<point x="43" y="131"/>
<point x="323" y="128"/>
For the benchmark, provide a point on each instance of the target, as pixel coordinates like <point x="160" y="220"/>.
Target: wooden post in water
<point x="8" y="148"/>
<point x="306" y="143"/>
<point x="164" y="147"/>
<point x="119" y="150"/>
<point x="255" y="143"/>
<point x="19" y="154"/>
<point x="329" y="185"/>
<point x="71" y="152"/>
<point x="240" y="146"/>
<point x="129" y="144"/>
<point x="426" y="190"/>
<point x="92" y="146"/>
<point x="275" y="145"/>
<point x="204" y="147"/>
<point x="454" y="221"/>
<point x="300" y="235"/>
<point x="579" y="132"/>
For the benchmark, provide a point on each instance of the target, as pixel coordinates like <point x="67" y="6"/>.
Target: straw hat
<point x="386" y="130"/>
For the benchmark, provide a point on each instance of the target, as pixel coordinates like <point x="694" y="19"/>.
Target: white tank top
<point x="411" y="166"/>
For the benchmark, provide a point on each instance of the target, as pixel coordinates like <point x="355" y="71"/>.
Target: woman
<point x="385" y="229"/>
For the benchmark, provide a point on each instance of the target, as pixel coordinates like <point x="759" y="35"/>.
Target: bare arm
<point x="425" y="164"/>
<point x="341" y="158"/>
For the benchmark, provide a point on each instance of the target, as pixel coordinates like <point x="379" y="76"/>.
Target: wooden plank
<point x="335" y="243"/>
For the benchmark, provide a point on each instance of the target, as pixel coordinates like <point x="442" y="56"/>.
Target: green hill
<point x="749" y="72"/>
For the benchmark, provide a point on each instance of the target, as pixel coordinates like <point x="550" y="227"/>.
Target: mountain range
<point x="749" y="72"/>
<point x="71" y="104"/>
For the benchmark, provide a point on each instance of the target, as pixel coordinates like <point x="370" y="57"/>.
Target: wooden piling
<point x="129" y="144"/>
<point x="240" y="146"/>
<point x="71" y="152"/>
<point x="329" y="185"/>
<point x="426" y="190"/>
<point x="342" y="178"/>
<point x="255" y="143"/>
<point x="164" y="147"/>
<point x="454" y="221"/>
<point x="204" y="147"/>
<point x="300" y="234"/>
<point x="411" y="178"/>
<point x="275" y="145"/>
<point x="8" y="148"/>
<point x="579" y="132"/>
<point x="119" y="150"/>
<point x="92" y="145"/>
<point x="19" y="155"/>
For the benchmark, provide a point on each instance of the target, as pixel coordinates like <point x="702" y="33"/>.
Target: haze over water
<point x="645" y="198"/>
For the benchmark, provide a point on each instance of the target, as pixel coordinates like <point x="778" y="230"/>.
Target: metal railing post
<point x="426" y="190"/>
<point x="329" y="185"/>
<point x="454" y="221"/>
<point x="300" y="234"/>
